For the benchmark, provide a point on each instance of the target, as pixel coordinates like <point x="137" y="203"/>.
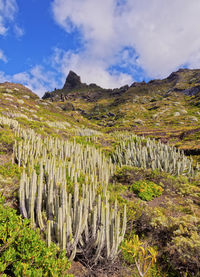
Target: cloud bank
<point x="156" y="37"/>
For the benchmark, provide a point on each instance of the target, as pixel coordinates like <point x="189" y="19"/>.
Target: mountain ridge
<point x="167" y="109"/>
<point x="73" y="83"/>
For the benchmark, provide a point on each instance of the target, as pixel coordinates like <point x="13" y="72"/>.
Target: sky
<point x="109" y="42"/>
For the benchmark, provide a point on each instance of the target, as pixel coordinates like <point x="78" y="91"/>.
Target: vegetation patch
<point x="23" y="252"/>
<point x="146" y="190"/>
<point x="6" y="140"/>
<point x="9" y="170"/>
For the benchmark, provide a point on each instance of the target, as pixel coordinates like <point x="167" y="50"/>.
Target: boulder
<point x="67" y="107"/>
<point x="110" y="114"/>
<point x="139" y="121"/>
<point x="192" y="91"/>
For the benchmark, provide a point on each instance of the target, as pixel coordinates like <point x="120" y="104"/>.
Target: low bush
<point x="146" y="190"/>
<point x="10" y="170"/>
<point x="143" y="256"/>
<point x="23" y="252"/>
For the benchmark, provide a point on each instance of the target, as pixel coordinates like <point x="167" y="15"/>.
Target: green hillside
<point x="109" y="178"/>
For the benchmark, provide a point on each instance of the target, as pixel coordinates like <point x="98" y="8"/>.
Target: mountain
<point x="167" y="109"/>
<point x="88" y="165"/>
<point x="184" y="81"/>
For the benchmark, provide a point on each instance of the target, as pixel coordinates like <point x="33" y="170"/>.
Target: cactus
<point x="80" y="222"/>
<point x="143" y="152"/>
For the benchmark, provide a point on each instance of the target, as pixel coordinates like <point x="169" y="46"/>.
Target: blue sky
<point x="108" y="42"/>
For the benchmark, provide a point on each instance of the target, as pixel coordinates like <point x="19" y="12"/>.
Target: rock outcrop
<point x="73" y="88"/>
<point x="73" y="81"/>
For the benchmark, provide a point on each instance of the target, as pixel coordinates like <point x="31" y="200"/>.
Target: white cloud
<point x="90" y="69"/>
<point x="8" y="9"/>
<point x="2" y="56"/>
<point x="36" y="79"/>
<point x="164" y="34"/>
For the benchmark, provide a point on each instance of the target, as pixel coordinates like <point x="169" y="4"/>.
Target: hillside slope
<point x="82" y="140"/>
<point x="167" y="109"/>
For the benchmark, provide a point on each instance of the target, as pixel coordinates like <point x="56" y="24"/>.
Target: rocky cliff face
<point x="73" y="81"/>
<point x="74" y="88"/>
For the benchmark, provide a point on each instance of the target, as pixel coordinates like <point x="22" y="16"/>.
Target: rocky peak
<point x="73" y="81"/>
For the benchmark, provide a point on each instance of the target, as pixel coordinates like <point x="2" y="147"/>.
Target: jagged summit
<point x="73" y="81"/>
<point x="185" y="81"/>
<point x="74" y="88"/>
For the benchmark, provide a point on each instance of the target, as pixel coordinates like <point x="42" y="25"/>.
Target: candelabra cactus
<point x="80" y="221"/>
<point x="12" y="123"/>
<point x="146" y="153"/>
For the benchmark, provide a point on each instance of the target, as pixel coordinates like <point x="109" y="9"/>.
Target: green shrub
<point x="146" y="190"/>
<point x="6" y="136"/>
<point x="23" y="253"/>
<point x="135" y="252"/>
<point x="6" y="140"/>
<point x="10" y="170"/>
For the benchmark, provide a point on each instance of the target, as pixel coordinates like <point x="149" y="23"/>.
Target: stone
<point x="26" y="96"/>
<point x="46" y="95"/>
<point x="177" y="114"/>
<point x="194" y="118"/>
<point x="110" y="114"/>
<point x="191" y="91"/>
<point x="153" y="108"/>
<point x="139" y="121"/>
<point x="20" y="101"/>
<point x="67" y="107"/>
<point x="155" y="116"/>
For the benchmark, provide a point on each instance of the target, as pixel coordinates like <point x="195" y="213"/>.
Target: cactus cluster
<point x="12" y="123"/>
<point x="15" y="115"/>
<point x="86" y="132"/>
<point x="147" y="153"/>
<point x="58" y="124"/>
<point x="81" y="221"/>
<point x="78" y="159"/>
